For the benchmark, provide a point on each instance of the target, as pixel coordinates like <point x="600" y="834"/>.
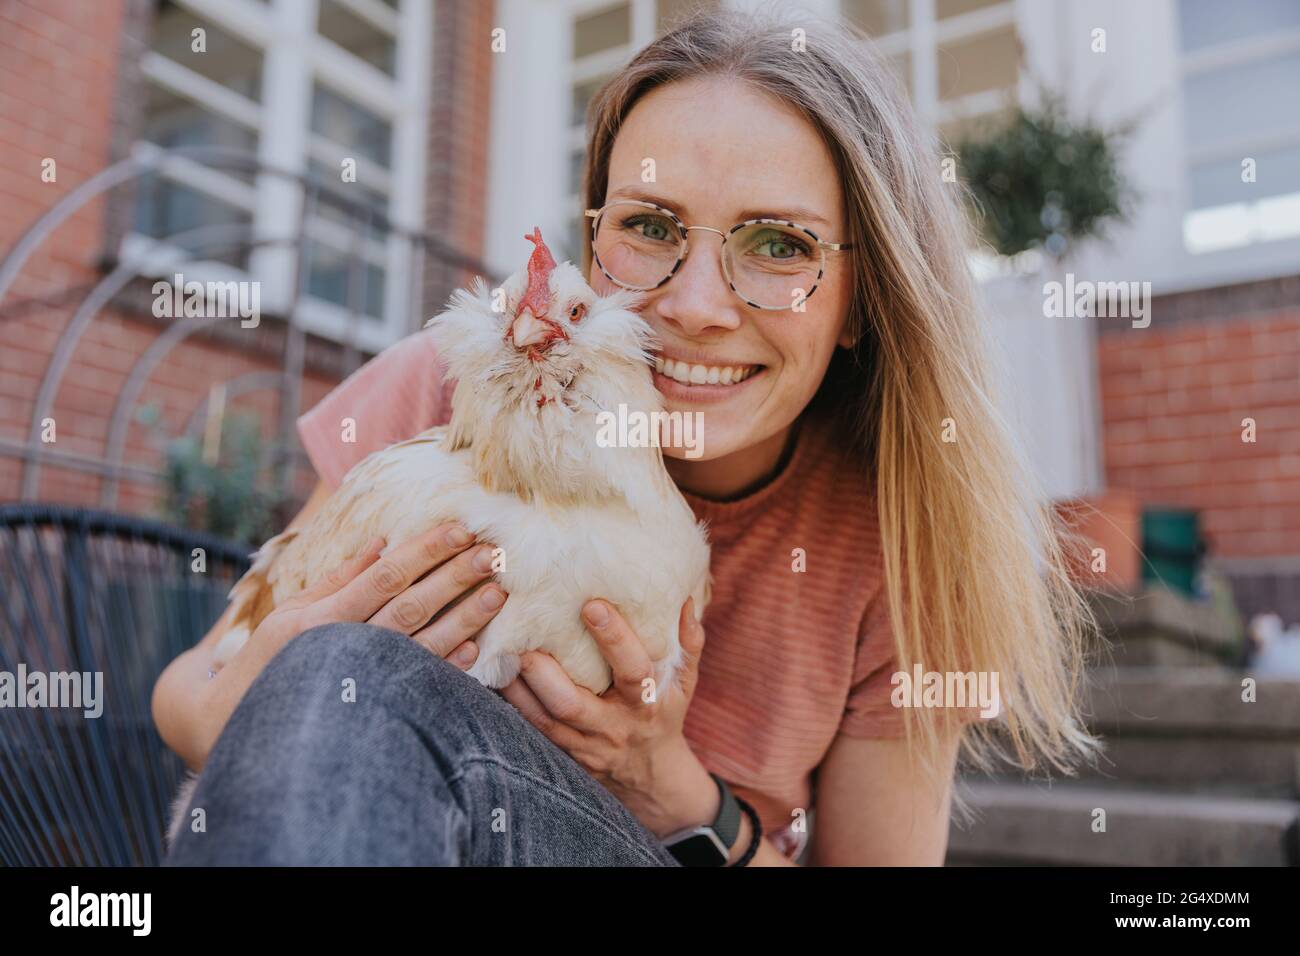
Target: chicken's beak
<point x="527" y="330"/>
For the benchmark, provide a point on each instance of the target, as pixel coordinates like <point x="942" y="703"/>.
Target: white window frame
<point x="1246" y="50"/>
<point x="294" y="58"/>
<point x="921" y="41"/>
<point x="641" y="32"/>
<point x="532" y="94"/>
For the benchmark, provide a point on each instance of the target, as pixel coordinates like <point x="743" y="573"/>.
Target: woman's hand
<point x="406" y="590"/>
<point x="629" y="738"/>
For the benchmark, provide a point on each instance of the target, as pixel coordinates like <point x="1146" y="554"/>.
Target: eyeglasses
<point x="771" y="264"/>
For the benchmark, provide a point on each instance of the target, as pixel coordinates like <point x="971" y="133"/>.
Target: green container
<point x="1172" y="546"/>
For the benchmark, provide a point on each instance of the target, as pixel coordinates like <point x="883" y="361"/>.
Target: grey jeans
<point x="357" y="746"/>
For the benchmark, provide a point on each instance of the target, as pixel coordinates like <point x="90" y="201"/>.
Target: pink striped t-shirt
<point x="791" y="658"/>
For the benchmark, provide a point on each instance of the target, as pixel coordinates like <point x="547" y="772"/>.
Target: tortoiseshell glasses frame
<point x="798" y="295"/>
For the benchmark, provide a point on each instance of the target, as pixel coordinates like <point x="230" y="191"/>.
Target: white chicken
<point x="520" y="466"/>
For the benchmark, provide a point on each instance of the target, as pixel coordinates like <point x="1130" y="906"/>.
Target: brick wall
<point x="1173" y="399"/>
<point x="457" y="172"/>
<point x="61" y="98"/>
<point x="70" y="90"/>
<point x="55" y="59"/>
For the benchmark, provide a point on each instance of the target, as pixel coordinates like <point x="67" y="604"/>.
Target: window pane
<point x="336" y="200"/>
<point x="877" y="17"/>
<point x="955" y="8"/>
<point x="223" y="58"/>
<point x="582" y="94"/>
<point x="1211" y="22"/>
<point x="329" y="273"/>
<point x="341" y="26"/>
<point x="1246" y="100"/>
<point x="165" y="208"/>
<point x="602" y="31"/>
<point x="351" y="126"/>
<point x="1277" y="173"/>
<point x="172" y="121"/>
<point x="988" y="62"/>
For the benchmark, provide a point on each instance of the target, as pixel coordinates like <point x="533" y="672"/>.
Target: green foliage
<point x="231" y="497"/>
<point x="1043" y="181"/>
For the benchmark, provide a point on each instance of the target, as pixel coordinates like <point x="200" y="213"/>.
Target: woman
<point x="850" y="438"/>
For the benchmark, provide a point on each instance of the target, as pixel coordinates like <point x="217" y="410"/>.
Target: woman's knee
<point x="356" y="647"/>
<point x="379" y="663"/>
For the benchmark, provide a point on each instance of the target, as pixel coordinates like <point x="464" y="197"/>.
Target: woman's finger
<point x="518" y="693"/>
<point x="562" y="699"/>
<point x="460" y="624"/>
<point x="338" y="577"/>
<point x="691" y="633"/>
<point x="422" y="601"/>
<point x="394" y="572"/>
<point x="621" y="648"/>
<point x="464" y="656"/>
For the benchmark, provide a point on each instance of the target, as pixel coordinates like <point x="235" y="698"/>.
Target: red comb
<point x="540" y="264"/>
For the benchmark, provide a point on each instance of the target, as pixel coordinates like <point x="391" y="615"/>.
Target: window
<point x="959" y="59"/>
<point x="602" y="30"/>
<point x="216" y="54"/>
<point x="176" y="212"/>
<point x="878" y="18"/>
<point x="362" y="38"/>
<point x="204" y="86"/>
<point x="353" y="124"/>
<point x="173" y="120"/>
<point x="604" y="37"/>
<point x="1241" y="128"/>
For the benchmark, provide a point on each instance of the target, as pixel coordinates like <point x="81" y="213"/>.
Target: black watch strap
<point x="709" y="844"/>
<point x="727" y="824"/>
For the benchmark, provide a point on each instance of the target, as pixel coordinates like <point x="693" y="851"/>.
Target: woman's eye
<point x="650" y="227"/>
<point x="779" y="245"/>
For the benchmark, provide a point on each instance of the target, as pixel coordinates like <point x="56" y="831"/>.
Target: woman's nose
<point x="698" y="297"/>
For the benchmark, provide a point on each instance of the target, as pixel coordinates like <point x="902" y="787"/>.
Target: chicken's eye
<point x="577" y="312"/>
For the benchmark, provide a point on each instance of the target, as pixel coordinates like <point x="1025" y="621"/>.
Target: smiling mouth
<point x="692" y="374"/>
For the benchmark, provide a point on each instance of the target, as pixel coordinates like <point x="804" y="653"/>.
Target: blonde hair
<point x="985" y="587"/>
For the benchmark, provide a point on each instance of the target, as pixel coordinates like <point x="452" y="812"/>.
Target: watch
<point x="710" y="844"/>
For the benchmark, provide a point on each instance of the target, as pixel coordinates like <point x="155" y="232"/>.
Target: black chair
<point x="92" y="592"/>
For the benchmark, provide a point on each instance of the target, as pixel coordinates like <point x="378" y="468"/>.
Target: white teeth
<point x="689" y="374"/>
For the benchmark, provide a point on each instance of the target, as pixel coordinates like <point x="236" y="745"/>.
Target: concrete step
<point x="1030" y="824"/>
<point x="1157" y="626"/>
<point x="1189" y="728"/>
